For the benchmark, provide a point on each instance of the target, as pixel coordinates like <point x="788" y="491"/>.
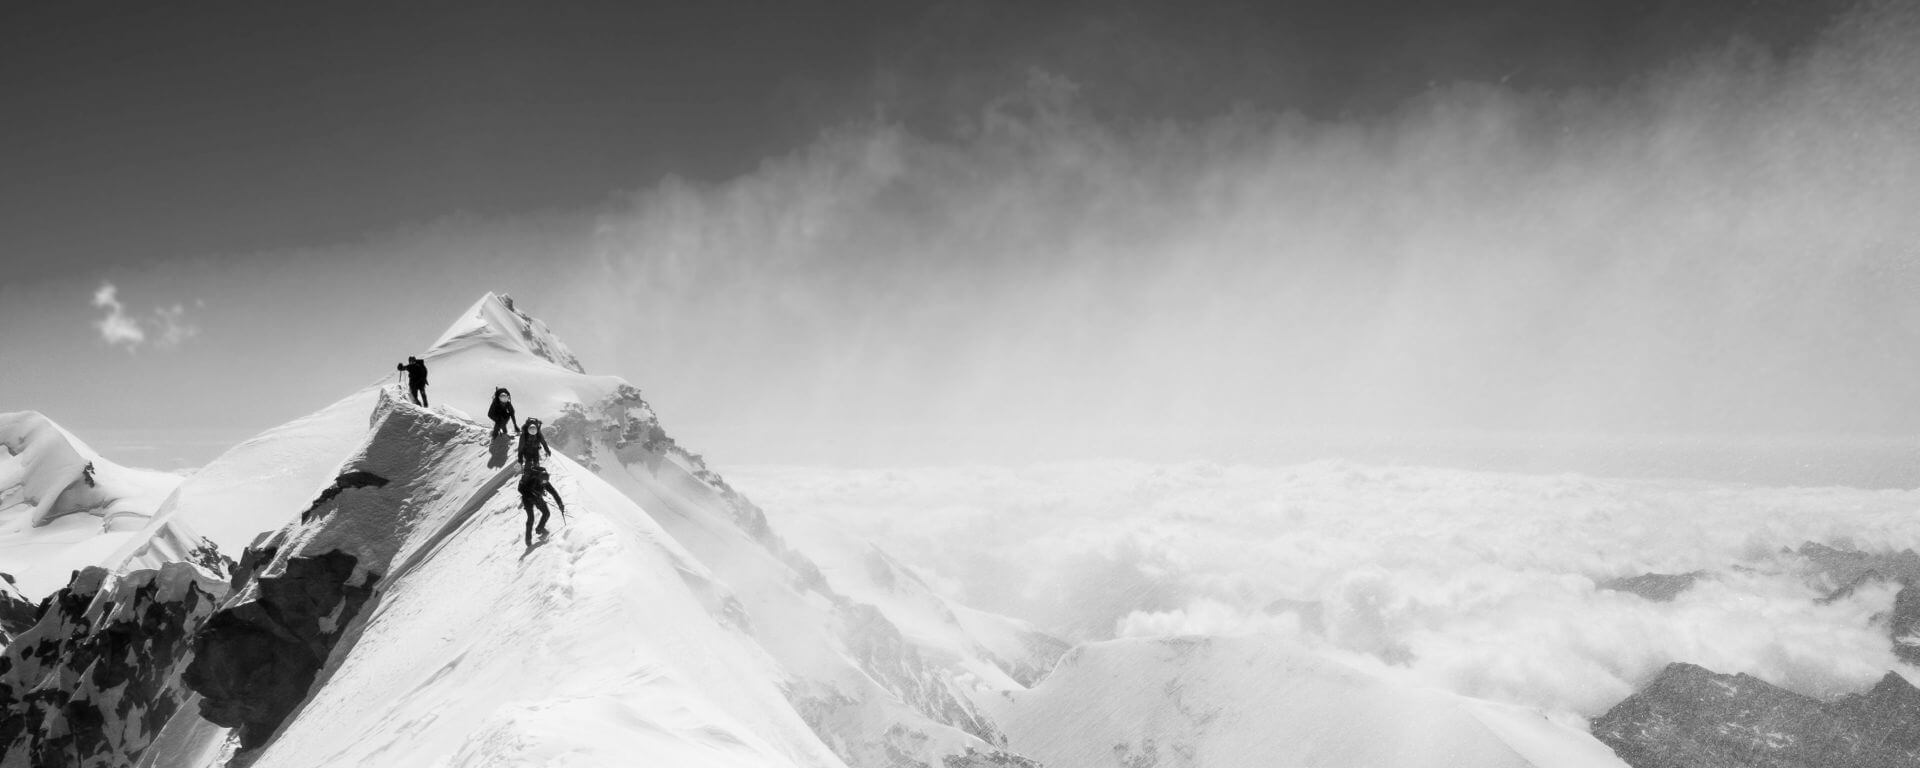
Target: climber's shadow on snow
<point x="499" y="446"/>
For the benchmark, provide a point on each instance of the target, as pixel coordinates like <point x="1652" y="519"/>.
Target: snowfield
<point x="590" y="648"/>
<point x="62" y="506"/>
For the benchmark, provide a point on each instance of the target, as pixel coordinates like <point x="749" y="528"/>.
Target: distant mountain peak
<point x="494" y="320"/>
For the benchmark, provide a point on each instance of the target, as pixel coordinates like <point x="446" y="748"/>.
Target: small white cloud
<point x="116" y="328"/>
<point x="173" y="326"/>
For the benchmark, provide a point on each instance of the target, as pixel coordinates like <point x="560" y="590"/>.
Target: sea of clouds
<point x="1487" y="584"/>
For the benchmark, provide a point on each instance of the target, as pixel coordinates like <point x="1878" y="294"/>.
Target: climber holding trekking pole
<point x="416" y="379"/>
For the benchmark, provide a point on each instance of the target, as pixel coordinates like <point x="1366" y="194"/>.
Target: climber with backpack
<point x="534" y="488"/>
<point x="532" y="443"/>
<point x="501" y="411"/>
<point x="416" y="370"/>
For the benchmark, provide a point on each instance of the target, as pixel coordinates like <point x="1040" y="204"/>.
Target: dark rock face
<point x="208" y="556"/>
<point x="346" y="481"/>
<point x="95" y="679"/>
<point x="974" y="759"/>
<point x="1658" y="587"/>
<point x="1846" y="566"/>
<point x="1905" y="622"/>
<point x="1690" y="717"/>
<point x="624" y="420"/>
<point x="255" y="660"/>
<point x="1852" y="570"/>
<point x="16" y="615"/>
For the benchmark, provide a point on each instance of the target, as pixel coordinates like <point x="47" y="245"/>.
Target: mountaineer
<point x="534" y="487"/>
<point x="501" y="411"/>
<point x="532" y="443"/>
<point x="416" y="379"/>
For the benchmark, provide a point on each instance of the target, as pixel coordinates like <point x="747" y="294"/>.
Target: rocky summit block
<point x="1691" y="717"/>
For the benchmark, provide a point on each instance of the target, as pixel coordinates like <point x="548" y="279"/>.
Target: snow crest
<point x="64" y="507"/>
<point x="493" y="320"/>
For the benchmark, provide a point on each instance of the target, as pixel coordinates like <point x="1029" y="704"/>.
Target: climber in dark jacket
<point x="532" y="443"/>
<point x="501" y="411"/>
<point x="534" y="488"/>
<point x="416" y="379"/>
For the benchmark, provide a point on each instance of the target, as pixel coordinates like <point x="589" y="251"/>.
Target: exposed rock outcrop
<point x="17" y="614"/>
<point x="95" y="679"/>
<point x="1852" y="569"/>
<point x="1691" y="717"/>
<point x="1904" y="624"/>
<point x="346" y="481"/>
<point x="1846" y="568"/>
<point x="1658" y="587"/>
<point x="255" y="659"/>
<point x="299" y="589"/>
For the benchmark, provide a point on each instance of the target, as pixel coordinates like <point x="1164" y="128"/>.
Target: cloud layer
<point x="1481" y="583"/>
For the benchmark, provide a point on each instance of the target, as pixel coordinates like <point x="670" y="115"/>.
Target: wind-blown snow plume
<point x="1715" y="247"/>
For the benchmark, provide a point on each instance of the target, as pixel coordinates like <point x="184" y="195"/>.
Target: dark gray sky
<point x="303" y="191"/>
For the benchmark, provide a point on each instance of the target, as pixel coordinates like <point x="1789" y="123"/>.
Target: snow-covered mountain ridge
<point x="796" y="672"/>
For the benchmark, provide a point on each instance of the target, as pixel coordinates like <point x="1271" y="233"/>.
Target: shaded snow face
<point x="1485" y="584"/>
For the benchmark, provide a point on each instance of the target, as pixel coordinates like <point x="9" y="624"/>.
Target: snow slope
<point x="842" y="665"/>
<point x="259" y="484"/>
<point x="668" y="622"/>
<point x="607" y="642"/>
<point x="1216" y="702"/>
<point x="62" y="506"/>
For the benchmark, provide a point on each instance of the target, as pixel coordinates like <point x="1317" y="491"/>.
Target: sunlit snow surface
<point x="1481" y="584"/>
<point x="661" y="623"/>
<point x="62" y="506"/>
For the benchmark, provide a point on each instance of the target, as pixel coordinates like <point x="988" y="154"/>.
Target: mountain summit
<point x="493" y="320"/>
